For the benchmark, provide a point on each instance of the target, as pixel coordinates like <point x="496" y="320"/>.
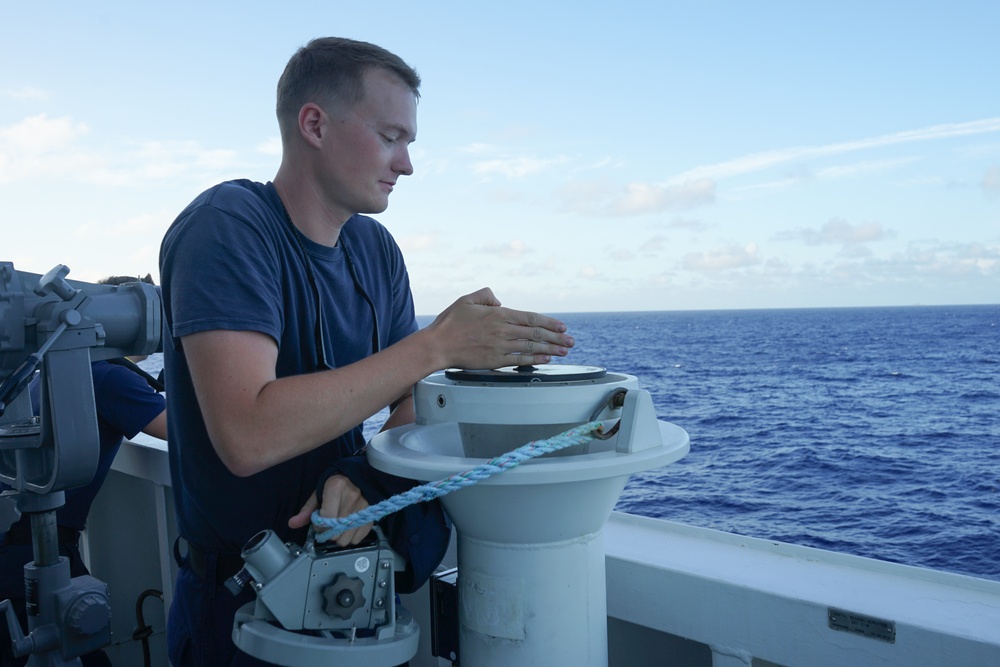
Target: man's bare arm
<point x="256" y="420"/>
<point x="157" y="427"/>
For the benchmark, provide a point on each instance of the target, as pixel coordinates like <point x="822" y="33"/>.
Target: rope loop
<point x="335" y="526"/>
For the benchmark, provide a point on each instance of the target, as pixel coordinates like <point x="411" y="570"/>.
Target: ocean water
<point x="869" y="431"/>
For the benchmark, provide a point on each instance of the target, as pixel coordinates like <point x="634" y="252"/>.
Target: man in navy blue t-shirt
<point x="289" y="322"/>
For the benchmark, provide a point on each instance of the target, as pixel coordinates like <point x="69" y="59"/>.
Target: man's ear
<point x="312" y="122"/>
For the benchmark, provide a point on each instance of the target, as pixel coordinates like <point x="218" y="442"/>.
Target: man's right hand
<point x="477" y="332"/>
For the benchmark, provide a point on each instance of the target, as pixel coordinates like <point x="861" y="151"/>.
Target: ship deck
<point x="676" y="594"/>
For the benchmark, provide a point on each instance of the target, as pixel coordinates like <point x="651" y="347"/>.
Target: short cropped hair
<point x="121" y="280"/>
<point x="328" y="71"/>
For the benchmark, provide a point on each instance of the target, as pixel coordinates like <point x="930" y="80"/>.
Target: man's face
<point x="367" y="146"/>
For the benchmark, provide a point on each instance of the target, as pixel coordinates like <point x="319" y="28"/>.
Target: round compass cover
<point x="528" y="374"/>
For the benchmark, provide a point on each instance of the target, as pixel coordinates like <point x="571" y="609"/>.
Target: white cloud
<point x="692" y="224"/>
<point x="763" y="188"/>
<point x="855" y="251"/>
<point x="596" y="198"/>
<point x="531" y="269"/>
<point x="40" y="147"/>
<point x="719" y="259"/>
<point x="510" y="250"/>
<point x="516" y="167"/>
<point x="479" y="149"/>
<point x="939" y="261"/>
<point x="418" y="242"/>
<point x="160" y="160"/>
<point x="26" y="93"/>
<point x="696" y="187"/>
<point x="837" y="231"/>
<point x="40" y="134"/>
<point x="600" y="164"/>
<point x="640" y="198"/>
<point x="868" y="166"/>
<point x="43" y="147"/>
<point x="491" y="161"/>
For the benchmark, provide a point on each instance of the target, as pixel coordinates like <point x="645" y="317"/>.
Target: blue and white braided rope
<point x="335" y="526"/>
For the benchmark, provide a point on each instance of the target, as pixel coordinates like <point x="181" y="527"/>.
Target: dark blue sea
<point x="869" y="431"/>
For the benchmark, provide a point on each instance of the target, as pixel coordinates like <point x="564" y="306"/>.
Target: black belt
<point x="21" y="534"/>
<point x="226" y="565"/>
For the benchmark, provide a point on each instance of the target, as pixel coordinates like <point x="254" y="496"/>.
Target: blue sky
<point x="573" y="156"/>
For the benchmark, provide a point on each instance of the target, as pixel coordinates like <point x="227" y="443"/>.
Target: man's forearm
<point x="403" y="413"/>
<point x="256" y="421"/>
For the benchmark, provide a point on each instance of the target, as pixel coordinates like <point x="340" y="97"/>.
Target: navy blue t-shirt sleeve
<point x="124" y="399"/>
<point x="224" y="272"/>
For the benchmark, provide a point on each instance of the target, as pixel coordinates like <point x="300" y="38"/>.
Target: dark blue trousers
<point x="200" y="625"/>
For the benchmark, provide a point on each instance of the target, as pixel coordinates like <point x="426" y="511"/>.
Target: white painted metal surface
<point x="676" y="595"/>
<point x="530" y="546"/>
<point x="746" y="597"/>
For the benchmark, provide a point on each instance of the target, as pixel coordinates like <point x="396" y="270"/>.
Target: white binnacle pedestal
<point x="531" y="578"/>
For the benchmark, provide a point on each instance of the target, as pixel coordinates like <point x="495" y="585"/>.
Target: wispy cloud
<point x="719" y="259"/>
<point x="39" y="146"/>
<point x="159" y="159"/>
<point x="491" y="160"/>
<point x="697" y="187"/>
<point x="709" y="175"/>
<point x="837" y="231"/>
<point x="479" y="149"/>
<point x="40" y="134"/>
<point x="142" y="226"/>
<point x="26" y="93"/>
<point x="43" y="147"/>
<point x="547" y="266"/>
<point x="517" y="166"/>
<point x="509" y="250"/>
<point x="690" y="224"/>
<point x="864" y="167"/>
<point x="767" y="159"/>
<point x="419" y="242"/>
<point x="944" y="260"/>
<point x="597" y="198"/>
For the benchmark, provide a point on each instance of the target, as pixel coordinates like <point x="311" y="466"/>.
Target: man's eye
<point x="389" y="139"/>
